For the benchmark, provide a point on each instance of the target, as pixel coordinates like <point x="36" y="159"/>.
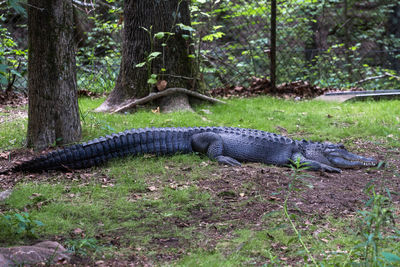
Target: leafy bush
<point x="99" y="59"/>
<point x="13" y="61"/>
<point x="18" y="225"/>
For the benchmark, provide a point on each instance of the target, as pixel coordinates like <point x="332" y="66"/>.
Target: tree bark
<point x="53" y="115"/>
<point x="172" y="65"/>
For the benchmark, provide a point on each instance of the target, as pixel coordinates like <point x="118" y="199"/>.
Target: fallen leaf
<point x="273" y="198"/>
<point x="78" y="231"/>
<point x="152" y="188"/>
<point x="161" y="85"/>
<point x="4" y="155"/>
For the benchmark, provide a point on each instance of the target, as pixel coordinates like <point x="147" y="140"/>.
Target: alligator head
<point x="336" y="155"/>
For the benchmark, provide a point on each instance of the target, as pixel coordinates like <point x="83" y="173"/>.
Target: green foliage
<point x="98" y="59"/>
<point x="349" y="51"/>
<point x="13" y="61"/>
<point x="231" y="41"/>
<point x="375" y="222"/>
<point x="83" y="247"/>
<point x="18" y="225"/>
<point x="16" y="5"/>
<point x="346" y="57"/>
<point x="214" y="35"/>
<point x="152" y="55"/>
<point x="225" y="31"/>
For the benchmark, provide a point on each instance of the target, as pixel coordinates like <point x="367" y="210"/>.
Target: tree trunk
<point x="53" y="115"/>
<point x="172" y="65"/>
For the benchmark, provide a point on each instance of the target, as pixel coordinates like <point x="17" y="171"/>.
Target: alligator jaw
<point x="345" y="159"/>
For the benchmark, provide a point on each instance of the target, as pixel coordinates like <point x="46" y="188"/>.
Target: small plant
<point x="19" y="225"/>
<point x="296" y="176"/>
<point x="374" y="222"/>
<point x="83" y="247"/>
<point x="26" y="225"/>
<point x="153" y="77"/>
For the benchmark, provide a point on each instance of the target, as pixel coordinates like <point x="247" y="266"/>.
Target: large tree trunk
<point x="53" y="115"/>
<point x="157" y="16"/>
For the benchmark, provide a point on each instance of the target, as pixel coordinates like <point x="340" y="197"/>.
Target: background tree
<point x="154" y="48"/>
<point x="53" y="114"/>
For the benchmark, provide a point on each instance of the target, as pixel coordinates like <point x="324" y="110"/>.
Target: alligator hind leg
<point x="211" y="144"/>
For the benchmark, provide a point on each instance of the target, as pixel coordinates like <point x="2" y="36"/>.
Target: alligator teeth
<point x="369" y="163"/>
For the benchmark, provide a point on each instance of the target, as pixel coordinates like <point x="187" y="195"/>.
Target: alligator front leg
<point x="212" y="145"/>
<point x="314" y="165"/>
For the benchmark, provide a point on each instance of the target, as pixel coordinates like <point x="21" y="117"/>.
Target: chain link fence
<point x="99" y="75"/>
<point x="328" y="43"/>
<point x="338" y="44"/>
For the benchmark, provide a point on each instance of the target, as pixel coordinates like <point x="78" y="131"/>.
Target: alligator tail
<point x="132" y="142"/>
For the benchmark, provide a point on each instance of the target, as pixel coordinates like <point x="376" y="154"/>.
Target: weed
<point x="373" y="224"/>
<point x="297" y="175"/>
<point x="83" y="247"/>
<point x="19" y="225"/>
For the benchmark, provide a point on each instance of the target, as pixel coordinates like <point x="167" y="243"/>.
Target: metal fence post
<point x="273" y="46"/>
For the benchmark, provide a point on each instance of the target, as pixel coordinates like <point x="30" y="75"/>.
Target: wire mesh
<point x="338" y="44"/>
<point x="329" y="43"/>
<point x="241" y="48"/>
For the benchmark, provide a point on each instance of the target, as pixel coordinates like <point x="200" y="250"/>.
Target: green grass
<point x="150" y="205"/>
<point x="333" y="241"/>
<point x="316" y="120"/>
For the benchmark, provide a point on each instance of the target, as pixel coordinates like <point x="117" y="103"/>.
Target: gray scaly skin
<point x="226" y="145"/>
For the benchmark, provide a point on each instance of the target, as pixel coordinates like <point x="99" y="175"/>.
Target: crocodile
<point x="226" y="145"/>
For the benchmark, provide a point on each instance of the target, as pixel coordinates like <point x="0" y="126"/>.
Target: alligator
<point x="226" y="145"/>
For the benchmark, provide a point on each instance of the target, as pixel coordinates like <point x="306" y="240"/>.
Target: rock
<point x="4" y="261"/>
<point x="4" y="195"/>
<point x="46" y="251"/>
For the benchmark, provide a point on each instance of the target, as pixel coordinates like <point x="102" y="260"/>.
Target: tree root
<point x="130" y="103"/>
